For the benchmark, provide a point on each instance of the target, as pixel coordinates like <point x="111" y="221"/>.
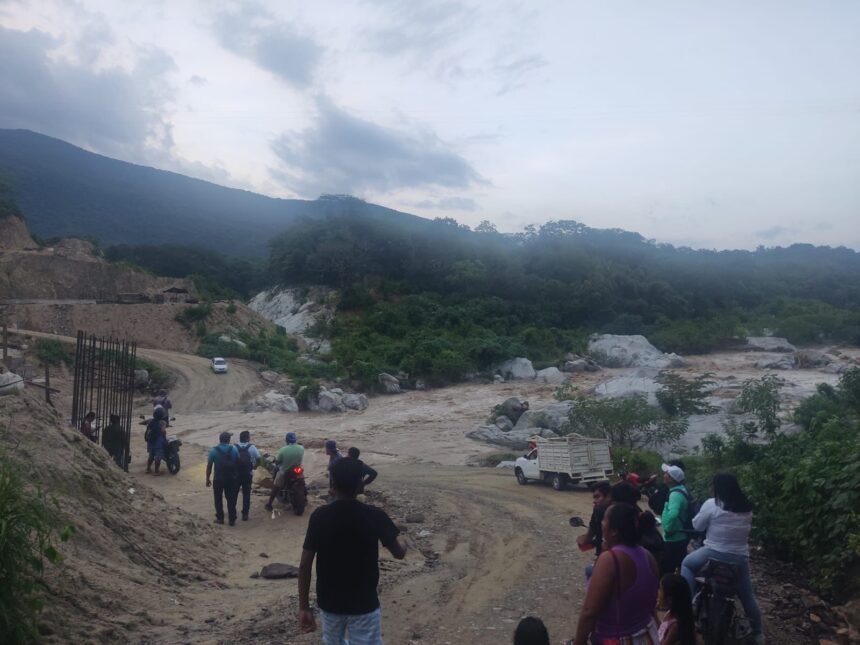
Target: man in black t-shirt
<point x="344" y="538"/>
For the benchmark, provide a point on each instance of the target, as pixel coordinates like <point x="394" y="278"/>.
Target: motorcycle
<point x="294" y="492"/>
<point x="715" y="605"/>
<point x="171" y="449"/>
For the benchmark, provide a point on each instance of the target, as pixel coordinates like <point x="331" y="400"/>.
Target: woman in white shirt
<point x="726" y="519"/>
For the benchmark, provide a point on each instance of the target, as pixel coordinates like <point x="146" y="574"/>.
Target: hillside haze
<point x="64" y="190"/>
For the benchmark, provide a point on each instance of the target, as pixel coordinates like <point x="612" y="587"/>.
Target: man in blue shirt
<point x="225" y="458"/>
<point x="249" y="458"/>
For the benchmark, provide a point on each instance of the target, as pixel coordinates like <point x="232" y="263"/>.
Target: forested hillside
<point x="438" y="300"/>
<point x="65" y="191"/>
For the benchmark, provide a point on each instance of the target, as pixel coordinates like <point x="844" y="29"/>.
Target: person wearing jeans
<point x="249" y="459"/>
<point x="726" y="519"/>
<point x="225" y="458"/>
<point x="344" y="538"/>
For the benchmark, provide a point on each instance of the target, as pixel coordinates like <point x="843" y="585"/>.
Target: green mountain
<point x="64" y="190"/>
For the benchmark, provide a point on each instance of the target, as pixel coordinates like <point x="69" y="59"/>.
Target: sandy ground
<point x="485" y="552"/>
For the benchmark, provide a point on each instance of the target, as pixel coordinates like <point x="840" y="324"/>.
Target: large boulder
<point x="355" y="401"/>
<point x="611" y="350"/>
<point x="329" y="401"/>
<point x="10" y="383"/>
<point x="272" y="401"/>
<point x="552" y="417"/>
<point x="515" y="439"/>
<point x="512" y="408"/>
<point x="786" y="362"/>
<point x="810" y="358"/>
<point x="551" y="376"/>
<point x="580" y="365"/>
<point x="504" y="424"/>
<point x="390" y="384"/>
<point x="517" y="369"/>
<point x="769" y="344"/>
<point x="642" y="381"/>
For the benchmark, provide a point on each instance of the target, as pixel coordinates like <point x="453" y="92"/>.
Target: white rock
<point x="641" y="382"/>
<point x="274" y="401"/>
<point x="551" y="376"/>
<point x="611" y="350"/>
<point x="355" y="401"/>
<point x="769" y="344"/>
<point x="517" y="369"/>
<point x="390" y="384"/>
<point x="329" y="401"/>
<point x="11" y="383"/>
<point x="786" y="362"/>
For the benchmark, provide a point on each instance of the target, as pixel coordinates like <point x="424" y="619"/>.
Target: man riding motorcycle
<point x="288" y="457"/>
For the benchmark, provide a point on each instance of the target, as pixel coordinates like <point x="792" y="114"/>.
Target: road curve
<point x="197" y="388"/>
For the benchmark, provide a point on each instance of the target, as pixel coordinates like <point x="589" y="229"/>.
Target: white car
<point x="219" y="365"/>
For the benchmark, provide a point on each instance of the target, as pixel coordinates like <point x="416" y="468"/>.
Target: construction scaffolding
<point x="104" y="385"/>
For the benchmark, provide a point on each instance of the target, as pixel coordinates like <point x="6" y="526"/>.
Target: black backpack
<point x="693" y="508"/>
<point x="152" y="430"/>
<point x="225" y="467"/>
<point x="246" y="464"/>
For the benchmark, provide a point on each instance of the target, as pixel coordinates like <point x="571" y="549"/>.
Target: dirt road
<point x="197" y="387"/>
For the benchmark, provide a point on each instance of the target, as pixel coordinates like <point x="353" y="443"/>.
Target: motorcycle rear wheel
<point x="173" y="465"/>
<point x="299" y="499"/>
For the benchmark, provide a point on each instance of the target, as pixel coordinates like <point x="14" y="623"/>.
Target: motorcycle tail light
<point x="298" y="470"/>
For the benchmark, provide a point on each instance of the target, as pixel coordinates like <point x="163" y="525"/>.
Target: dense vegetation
<point x="805" y="486"/>
<point x="214" y="274"/>
<point x="438" y="300"/>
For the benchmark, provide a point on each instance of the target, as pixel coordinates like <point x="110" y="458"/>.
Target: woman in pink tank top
<point x="622" y="593"/>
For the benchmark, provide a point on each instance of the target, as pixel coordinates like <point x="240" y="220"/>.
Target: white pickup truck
<point x="565" y="460"/>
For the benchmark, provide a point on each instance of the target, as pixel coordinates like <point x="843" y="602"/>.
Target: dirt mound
<point x="150" y="325"/>
<point x="133" y="557"/>
<point x="14" y="234"/>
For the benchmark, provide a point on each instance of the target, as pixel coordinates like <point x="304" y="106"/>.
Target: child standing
<point x="677" y="626"/>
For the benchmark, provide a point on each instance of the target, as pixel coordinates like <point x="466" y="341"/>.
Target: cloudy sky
<point x="718" y="125"/>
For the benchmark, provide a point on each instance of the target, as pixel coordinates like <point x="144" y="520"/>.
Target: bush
<point x="53" y="352"/>
<point x="193" y="314"/>
<point x="642" y="462"/>
<point x="493" y="459"/>
<point x="305" y="389"/>
<point x="27" y="537"/>
<point x="761" y="397"/>
<point x="159" y="378"/>
<point x="628" y="422"/>
<point x="682" y="397"/>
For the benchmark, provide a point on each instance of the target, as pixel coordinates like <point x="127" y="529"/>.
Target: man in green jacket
<point x="675" y="515"/>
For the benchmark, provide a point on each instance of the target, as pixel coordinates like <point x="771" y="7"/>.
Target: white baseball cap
<point x="674" y="472"/>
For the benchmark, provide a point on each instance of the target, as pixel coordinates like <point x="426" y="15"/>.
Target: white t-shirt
<point x="725" y="531"/>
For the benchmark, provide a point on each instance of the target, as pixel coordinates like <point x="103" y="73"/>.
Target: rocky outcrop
<point x="512" y="408"/>
<point x="272" y="401"/>
<point x="517" y="369"/>
<point x="390" y="384"/>
<point x="610" y="350"/>
<point x="769" y="344"/>
<point x="298" y="310"/>
<point x="14" y="234"/>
